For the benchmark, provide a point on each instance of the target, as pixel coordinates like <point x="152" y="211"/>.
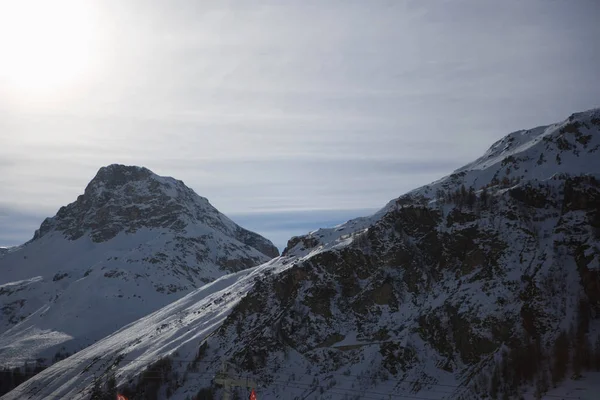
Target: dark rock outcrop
<point x="127" y="198"/>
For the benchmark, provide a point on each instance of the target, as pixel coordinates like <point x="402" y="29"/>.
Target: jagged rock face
<point x="119" y="199"/>
<point x="126" y="198"/>
<point x="446" y="284"/>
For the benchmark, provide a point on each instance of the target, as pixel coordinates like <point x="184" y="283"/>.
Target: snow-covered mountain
<point x="484" y="284"/>
<point x="131" y="244"/>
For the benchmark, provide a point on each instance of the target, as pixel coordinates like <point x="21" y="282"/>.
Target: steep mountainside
<point x="484" y="284"/>
<point x="132" y="243"/>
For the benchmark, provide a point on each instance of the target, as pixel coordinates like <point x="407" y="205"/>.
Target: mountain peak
<point x="122" y="198"/>
<point x="125" y="199"/>
<point x="115" y="175"/>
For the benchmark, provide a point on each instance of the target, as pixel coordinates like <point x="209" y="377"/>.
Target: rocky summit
<point x="130" y="244"/>
<point x="127" y="198"/>
<point x="484" y="284"/>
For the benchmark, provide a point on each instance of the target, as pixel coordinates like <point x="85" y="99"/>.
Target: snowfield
<point x="174" y="328"/>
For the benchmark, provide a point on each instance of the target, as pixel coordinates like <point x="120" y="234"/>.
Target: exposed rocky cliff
<point x="127" y="198"/>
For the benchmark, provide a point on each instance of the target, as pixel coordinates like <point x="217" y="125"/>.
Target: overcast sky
<point x="287" y="115"/>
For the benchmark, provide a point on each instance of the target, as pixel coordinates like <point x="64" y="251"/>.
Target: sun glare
<point x="46" y="46"/>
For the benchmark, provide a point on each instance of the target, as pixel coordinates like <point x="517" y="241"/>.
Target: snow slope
<point x="179" y="325"/>
<point x="132" y="243"/>
<point x="426" y="299"/>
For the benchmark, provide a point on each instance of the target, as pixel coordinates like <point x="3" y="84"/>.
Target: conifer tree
<point x="97" y="392"/>
<point x="561" y="358"/>
<point x="110" y="392"/>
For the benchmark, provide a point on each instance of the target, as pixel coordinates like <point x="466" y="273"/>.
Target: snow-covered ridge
<point x="570" y="147"/>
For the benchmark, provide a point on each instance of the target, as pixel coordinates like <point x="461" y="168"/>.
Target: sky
<point x="287" y="115"/>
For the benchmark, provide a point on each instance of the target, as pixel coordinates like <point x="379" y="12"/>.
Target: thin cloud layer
<point x="269" y="107"/>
